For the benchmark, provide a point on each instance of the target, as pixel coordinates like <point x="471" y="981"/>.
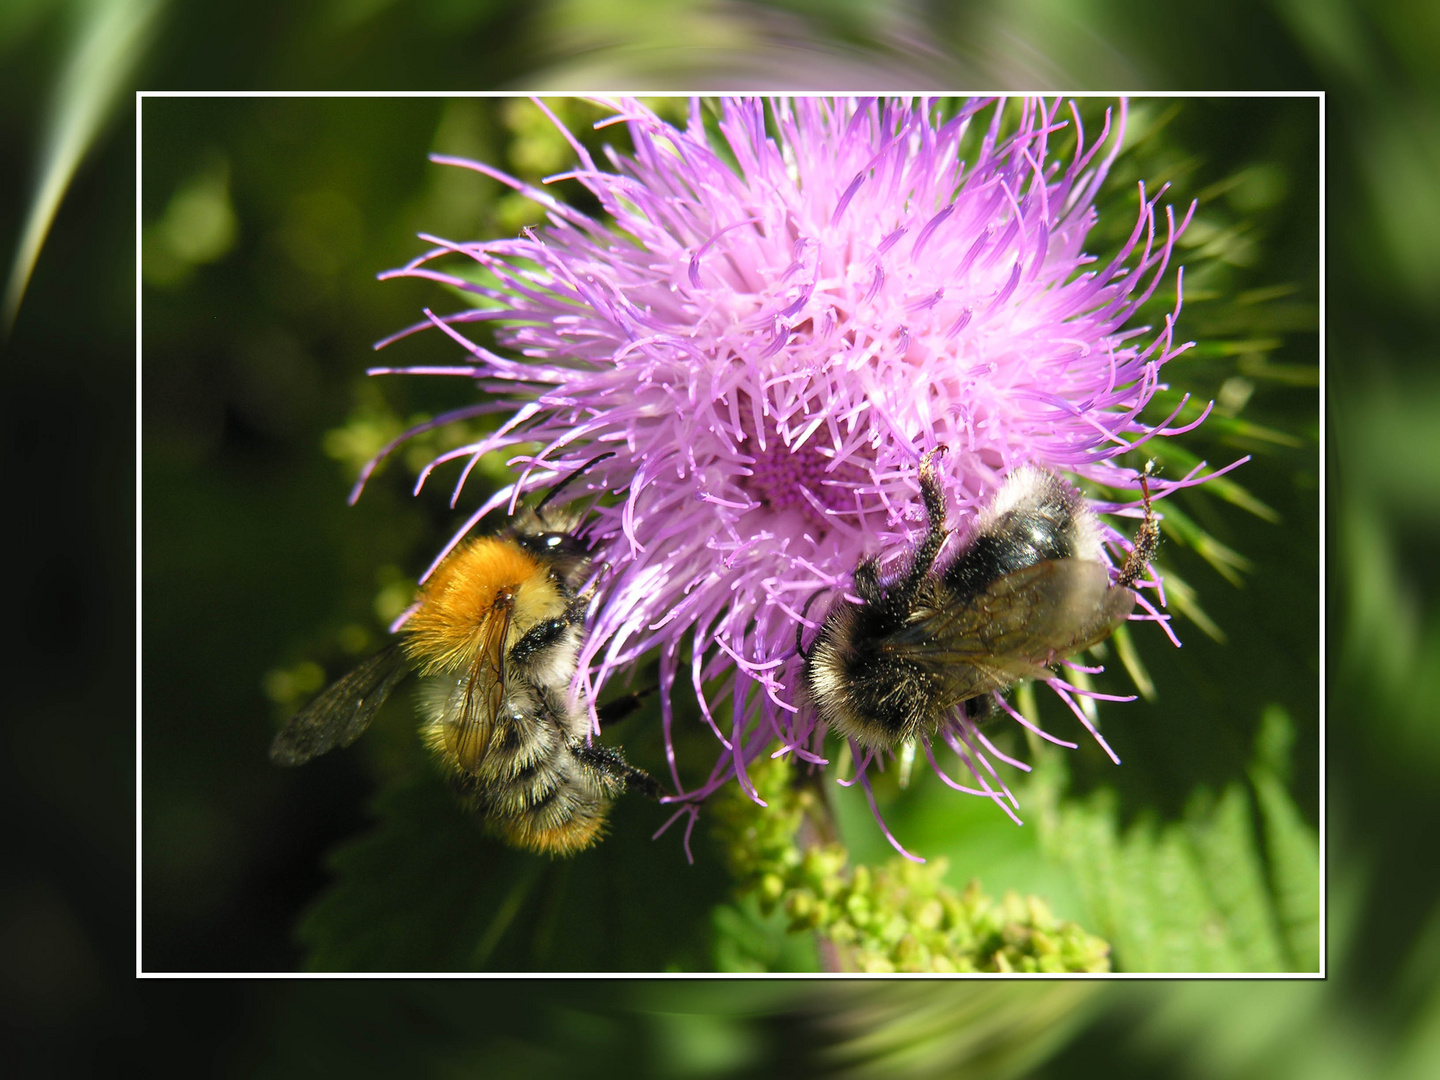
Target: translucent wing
<point x="470" y="729"/>
<point x="1019" y="624"/>
<point x="342" y="712"/>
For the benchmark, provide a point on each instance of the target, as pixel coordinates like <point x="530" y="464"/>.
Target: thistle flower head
<point x="766" y="329"/>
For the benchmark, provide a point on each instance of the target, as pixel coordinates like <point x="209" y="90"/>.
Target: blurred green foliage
<point x="1220" y="890"/>
<point x="226" y="870"/>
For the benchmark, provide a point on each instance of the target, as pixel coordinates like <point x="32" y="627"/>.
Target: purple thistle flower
<point x="767" y="334"/>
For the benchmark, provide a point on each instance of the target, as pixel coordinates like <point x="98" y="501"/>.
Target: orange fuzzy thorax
<point x="467" y="593"/>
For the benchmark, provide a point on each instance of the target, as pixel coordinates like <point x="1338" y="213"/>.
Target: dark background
<point x="70" y="436"/>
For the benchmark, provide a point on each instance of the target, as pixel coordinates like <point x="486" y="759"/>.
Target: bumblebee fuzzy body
<point x="495" y="634"/>
<point x="1028" y="589"/>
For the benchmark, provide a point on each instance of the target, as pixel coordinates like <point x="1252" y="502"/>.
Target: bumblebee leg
<point x="1147" y="539"/>
<point x="609" y="763"/>
<point x="867" y="581"/>
<point x="931" y="491"/>
<point x="543" y="635"/>
<point x="867" y="573"/>
<point x="622" y="707"/>
<point x="935" y="532"/>
<point x="578" y="605"/>
<point x="979" y="710"/>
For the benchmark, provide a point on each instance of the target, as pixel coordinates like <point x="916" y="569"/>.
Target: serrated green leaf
<point x="1146" y="890"/>
<point x="1166" y="896"/>
<point x="1293" y="852"/>
<point x="416" y="894"/>
<point x="427" y="890"/>
<point x="1201" y="895"/>
<point x="748" y="941"/>
<point x="1223" y="839"/>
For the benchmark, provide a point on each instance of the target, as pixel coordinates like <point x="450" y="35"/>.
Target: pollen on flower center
<point x="784" y="477"/>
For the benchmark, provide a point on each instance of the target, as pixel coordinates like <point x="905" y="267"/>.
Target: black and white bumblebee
<point x="1029" y="588"/>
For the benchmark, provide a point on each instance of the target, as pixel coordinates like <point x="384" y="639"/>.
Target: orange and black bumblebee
<point x="1029" y="588"/>
<point x="495" y="636"/>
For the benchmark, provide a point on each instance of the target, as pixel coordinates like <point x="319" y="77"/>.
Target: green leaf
<point x="1293" y="850"/>
<point x="748" y="941"/>
<point x="1223" y="839"/>
<point x="1199" y="895"/>
<point x="427" y="890"/>
<point x="1144" y="888"/>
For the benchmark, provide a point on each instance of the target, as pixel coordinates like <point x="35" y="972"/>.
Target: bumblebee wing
<point x="342" y="712"/>
<point x="470" y="731"/>
<point x="1023" y="620"/>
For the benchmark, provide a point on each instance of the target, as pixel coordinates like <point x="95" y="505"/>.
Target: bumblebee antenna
<point x="563" y="484"/>
<point x="800" y="626"/>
